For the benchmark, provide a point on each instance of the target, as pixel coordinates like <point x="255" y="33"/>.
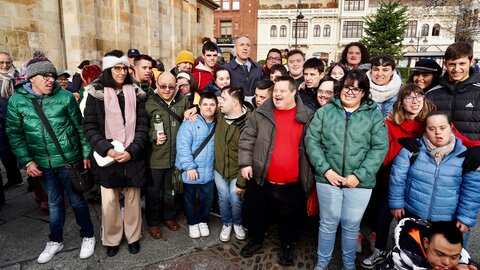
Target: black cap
<point x="427" y="65"/>
<point x="133" y="52"/>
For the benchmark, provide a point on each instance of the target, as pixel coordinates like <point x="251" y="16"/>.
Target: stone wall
<point x="70" y="31"/>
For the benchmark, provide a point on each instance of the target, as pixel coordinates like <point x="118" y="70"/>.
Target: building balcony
<point x="292" y="13"/>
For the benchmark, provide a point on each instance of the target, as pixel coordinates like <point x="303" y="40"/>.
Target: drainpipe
<point x="63" y="50"/>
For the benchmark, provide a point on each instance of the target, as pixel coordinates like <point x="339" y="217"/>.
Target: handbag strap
<point x="204" y="143"/>
<point x="49" y="128"/>
<point x="166" y="108"/>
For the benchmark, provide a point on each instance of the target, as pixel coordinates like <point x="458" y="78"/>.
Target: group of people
<point x="260" y="138"/>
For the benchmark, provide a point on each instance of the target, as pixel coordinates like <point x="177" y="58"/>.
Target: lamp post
<point x="418" y="41"/>
<point x="299" y="17"/>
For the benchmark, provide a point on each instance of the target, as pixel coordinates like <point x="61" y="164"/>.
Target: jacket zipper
<point x="452" y="105"/>
<point x="345" y="137"/>
<point x="44" y="139"/>
<point x="433" y="193"/>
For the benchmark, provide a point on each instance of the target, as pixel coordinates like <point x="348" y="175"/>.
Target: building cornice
<point x="209" y="3"/>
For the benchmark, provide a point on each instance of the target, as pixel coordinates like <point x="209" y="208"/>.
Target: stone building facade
<point x="70" y="31"/>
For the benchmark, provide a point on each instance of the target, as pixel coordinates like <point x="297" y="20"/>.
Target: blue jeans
<point x="345" y="206"/>
<point x="193" y="214"/>
<point x="55" y="182"/>
<point x="229" y="202"/>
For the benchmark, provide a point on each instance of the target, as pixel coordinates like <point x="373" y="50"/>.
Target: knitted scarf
<point x="439" y="152"/>
<point x="8" y="82"/>
<point x="115" y="126"/>
<point x="381" y="93"/>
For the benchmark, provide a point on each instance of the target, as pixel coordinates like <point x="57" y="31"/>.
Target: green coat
<point x="163" y="156"/>
<point x="354" y="145"/>
<point x="29" y="138"/>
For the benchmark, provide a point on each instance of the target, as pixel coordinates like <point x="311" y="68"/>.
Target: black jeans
<point x="284" y="201"/>
<point x="159" y="199"/>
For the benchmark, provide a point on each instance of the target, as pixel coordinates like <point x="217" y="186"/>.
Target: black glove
<point x="472" y="159"/>
<point x="410" y="143"/>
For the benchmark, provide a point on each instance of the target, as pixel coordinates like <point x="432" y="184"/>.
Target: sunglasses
<point x="164" y="86"/>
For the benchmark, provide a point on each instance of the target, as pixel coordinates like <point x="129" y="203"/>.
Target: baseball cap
<point x="133" y="52"/>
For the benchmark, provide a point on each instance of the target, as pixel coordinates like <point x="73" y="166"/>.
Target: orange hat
<point x="185" y="57"/>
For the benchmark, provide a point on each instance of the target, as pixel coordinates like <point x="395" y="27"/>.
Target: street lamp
<point x="418" y="41"/>
<point x="299" y="17"/>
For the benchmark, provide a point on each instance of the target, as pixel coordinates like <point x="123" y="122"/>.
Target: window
<point x="425" y="29"/>
<point x="411" y="29"/>
<point x="352" y="5"/>
<point x="326" y="30"/>
<point x="316" y="31"/>
<point x="301" y="28"/>
<point x="235" y="4"/>
<point x="352" y="29"/>
<point x="226" y="29"/>
<point x="436" y="30"/>
<point x="283" y="31"/>
<point x="273" y="31"/>
<point x="226" y="5"/>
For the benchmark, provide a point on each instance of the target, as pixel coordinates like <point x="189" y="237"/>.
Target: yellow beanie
<point x="185" y="56"/>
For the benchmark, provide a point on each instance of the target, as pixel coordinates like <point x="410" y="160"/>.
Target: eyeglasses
<point x="164" y="86"/>
<point x="119" y="69"/>
<point x="419" y="98"/>
<point x="354" y="90"/>
<point x="47" y="77"/>
<point x="273" y="59"/>
<point x="5" y="63"/>
<point x="326" y="92"/>
<point x="184" y="85"/>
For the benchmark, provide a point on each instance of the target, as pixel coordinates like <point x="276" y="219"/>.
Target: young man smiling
<point x="203" y="72"/>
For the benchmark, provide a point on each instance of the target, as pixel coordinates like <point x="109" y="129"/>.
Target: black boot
<point x="286" y="255"/>
<point x="250" y="248"/>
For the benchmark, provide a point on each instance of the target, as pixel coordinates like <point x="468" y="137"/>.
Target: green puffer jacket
<point x="163" y="156"/>
<point x="29" y="138"/>
<point x="227" y="137"/>
<point x="348" y="145"/>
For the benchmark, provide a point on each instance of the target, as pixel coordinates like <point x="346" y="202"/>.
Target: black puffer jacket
<point x="462" y="101"/>
<point x="132" y="172"/>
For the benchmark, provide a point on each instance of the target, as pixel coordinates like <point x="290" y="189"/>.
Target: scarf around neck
<point x="439" y="152"/>
<point x="8" y="82"/>
<point x="115" y="126"/>
<point x="381" y="93"/>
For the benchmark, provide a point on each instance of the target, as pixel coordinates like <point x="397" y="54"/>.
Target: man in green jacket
<point x="35" y="149"/>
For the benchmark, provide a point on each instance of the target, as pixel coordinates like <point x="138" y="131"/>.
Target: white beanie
<point x="110" y="61"/>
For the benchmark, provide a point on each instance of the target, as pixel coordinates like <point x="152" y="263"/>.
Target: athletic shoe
<point x="375" y="259"/>
<point x="204" y="231"/>
<point x="239" y="232"/>
<point x="193" y="231"/>
<point x="225" y="233"/>
<point x="50" y="250"/>
<point x="88" y="246"/>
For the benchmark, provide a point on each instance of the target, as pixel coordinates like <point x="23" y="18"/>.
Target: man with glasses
<point x="36" y="150"/>
<point x="274" y="56"/>
<point x="313" y="72"/>
<point x="165" y="105"/>
<point x="8" y="74"/>
<point x="62" y="79"/>
<point x="203" y="72"/>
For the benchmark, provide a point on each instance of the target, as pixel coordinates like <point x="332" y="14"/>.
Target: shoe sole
<point x="372" y="266"/>
<point x="60" y="249"/>
<point x="224" y="240"/>
<point x="240" y="238"/>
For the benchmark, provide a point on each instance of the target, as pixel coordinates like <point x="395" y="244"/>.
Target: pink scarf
<point x="115" y="128"/>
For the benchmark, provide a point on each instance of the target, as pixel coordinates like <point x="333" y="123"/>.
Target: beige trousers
<point x="113" y="225"/>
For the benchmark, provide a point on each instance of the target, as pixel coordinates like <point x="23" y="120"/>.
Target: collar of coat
<point x="96" y="90"/>
<point x="303" y="114"/>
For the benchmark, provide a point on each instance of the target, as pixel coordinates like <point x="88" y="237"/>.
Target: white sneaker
<point x="375" y="259"/>
<point x="204" y="231"/>
<point x="239" y="232"/>
<point x="88" y="246"/>
<point x="50" y="250"/>
<point x="193" y="231"/>
<point x="225" y="233"/>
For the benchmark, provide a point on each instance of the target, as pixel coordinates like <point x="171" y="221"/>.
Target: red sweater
<point x="284" y="163"/>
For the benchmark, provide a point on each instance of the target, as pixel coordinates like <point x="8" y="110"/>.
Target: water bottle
<point x="173" y="193"/>
<point x="158" y="124"/>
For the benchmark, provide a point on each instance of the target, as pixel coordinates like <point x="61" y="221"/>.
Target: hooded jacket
<point x="256" y="143"/>
<point x="127" y="174"/>
<point x="462" y="101"/>
<point x="349" y="145"/>
<point x="203" y="75"/>
<point x="28" y="137"/>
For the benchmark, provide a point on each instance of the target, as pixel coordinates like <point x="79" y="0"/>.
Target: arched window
<point x="283" y="31"/>
<point x="326" y="31"/>
<point x="316" y="30"/>
<point x="273" y="31"/>
<point x="425" y="29"/>
<point x="436" y="30"/>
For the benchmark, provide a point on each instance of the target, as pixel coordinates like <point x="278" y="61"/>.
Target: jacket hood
<point x="96" y="89"/>
<point x="201" y="66"/>
<point x="473" y="78"/>
<point x="302" y="115"/>
<point x="25" y="88"/>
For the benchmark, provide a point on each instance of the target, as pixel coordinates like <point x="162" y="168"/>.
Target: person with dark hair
<point x="327" y="89"/>
<point x="384" y="82"/>
<point x="203" y="72"/>
<point x="272" y="157"/>
<point x="346" y="143"/>
<point x="262" y="92"/>
<point x="277" y="70"/>
<point x="354" y="54"/>
<point x="427" y="74"/>
<point x="132" y="53"/>
<point x="313" y="72"/>
<point x="274" y="57"/>
<point x="186" y="86"/>
<point x="36" y="150"/>
<point x="198" y="177"/>
<point x="337" y="71"/>
<point x="76" y="84"/>
<point x="115" y="111"/>
<point x="243" y="70"/>
<point x="420" y="244"/>
<point x="221" y="78"/>
<point x="295" y="60"/>
<point x="142" y="72"/>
